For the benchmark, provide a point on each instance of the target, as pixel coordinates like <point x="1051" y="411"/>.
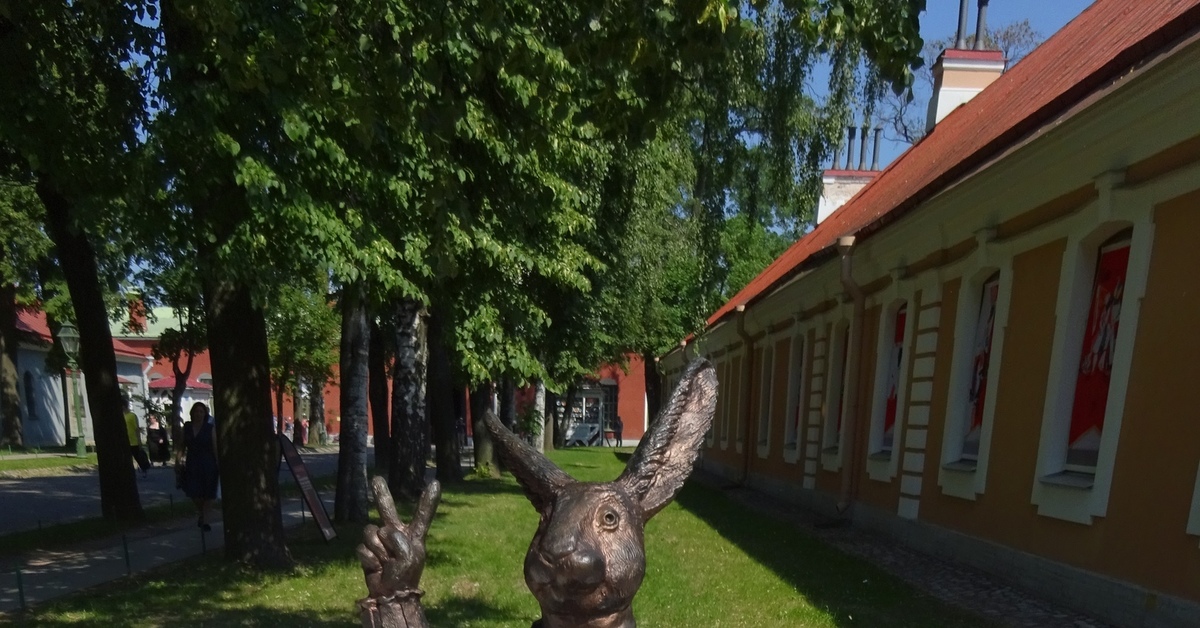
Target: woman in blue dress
<point x="199" y="453"/>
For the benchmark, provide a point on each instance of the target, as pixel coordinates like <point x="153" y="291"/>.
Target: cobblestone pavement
<point x="954" y="584"/>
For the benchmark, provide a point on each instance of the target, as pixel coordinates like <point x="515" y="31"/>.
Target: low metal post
<point x="125" y="545"/>
<point x="21" y="589"/>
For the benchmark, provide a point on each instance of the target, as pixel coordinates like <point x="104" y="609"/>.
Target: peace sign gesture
<point x="393" y="556"/>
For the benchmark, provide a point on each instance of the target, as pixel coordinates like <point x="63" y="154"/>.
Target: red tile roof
<point x="34" y="322"/>
<point x="167" y="383"/>
<point x="1090" y="51"/>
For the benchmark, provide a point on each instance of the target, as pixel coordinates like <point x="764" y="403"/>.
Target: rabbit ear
<point x="540" y="478"/>
<point x="665" y="456"/>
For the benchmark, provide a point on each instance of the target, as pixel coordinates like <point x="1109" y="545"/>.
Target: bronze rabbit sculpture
<point x="587" y="558"/>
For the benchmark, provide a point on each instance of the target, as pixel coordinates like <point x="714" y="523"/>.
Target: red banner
<point x="895" y="357"/>
<point x="984" y="328"/>
<point x="1099" y="340"/>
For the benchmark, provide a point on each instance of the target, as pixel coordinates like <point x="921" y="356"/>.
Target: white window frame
<point x="840" y="359"/>
<point x="735" y="411"/>
<point x="883" y="465"/>
<point x="797" y="406"/>
<point x="710" y="437"/>
<point x="957" y="475"/>
<point x="725" y="394"/>
<point x="1057" y="492"/>
<point x="765" y="390"/>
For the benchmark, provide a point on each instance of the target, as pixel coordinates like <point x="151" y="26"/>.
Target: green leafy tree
<point x="302" y="340"/>
<point x="21" y="216"/>
<point x="73" y="127"/>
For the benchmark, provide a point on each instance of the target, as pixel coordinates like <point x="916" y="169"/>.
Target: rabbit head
<point x="587" y="558"/>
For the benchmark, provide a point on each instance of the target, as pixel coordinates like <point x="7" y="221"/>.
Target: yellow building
<point x="991" y="351"/>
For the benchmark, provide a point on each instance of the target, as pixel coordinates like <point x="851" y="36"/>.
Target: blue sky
<point x="1047" y="16"/>
<point x="941" y="20"/>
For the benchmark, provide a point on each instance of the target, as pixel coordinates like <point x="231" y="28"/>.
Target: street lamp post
<point x="68" y="337"/>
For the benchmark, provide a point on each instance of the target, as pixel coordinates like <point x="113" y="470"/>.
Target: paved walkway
<point x="32" y="502"/>
<point x="952" y="583"/>
<point x="43" y="575"/>
<point x="48" y="574"/>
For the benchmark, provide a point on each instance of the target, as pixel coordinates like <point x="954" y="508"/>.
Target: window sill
<point x="881" y="456"/>
<point x="1071" y="479"/>
<point x="962" y="466"/>
<point x="833" y="450"/>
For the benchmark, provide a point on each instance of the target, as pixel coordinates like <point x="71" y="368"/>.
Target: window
<point x="30" y="402"/>
<point x="735" y="400"/>
<point x="1094" y="369"/>
<point x="894" y="354"/>
<point x="981" y="358"/>
<point x="766" y="374"/>
<point x="832" y="434"/>
<point x="721" y="417"/>
<point x="796" y="393"/>
<point x="1104" y="273"/>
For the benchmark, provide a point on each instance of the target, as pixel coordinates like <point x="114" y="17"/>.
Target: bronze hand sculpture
<point x="392" y="559"/>
<point x="588" y="557"/>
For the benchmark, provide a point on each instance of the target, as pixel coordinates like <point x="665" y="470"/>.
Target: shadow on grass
<point x="459" y="611"/>
<point x="852" y="591"/>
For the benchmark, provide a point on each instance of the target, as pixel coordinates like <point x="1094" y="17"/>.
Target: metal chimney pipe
<point x="960" y="41"/>
<point x="981" y="26"/>
<point x="850" y="149"/>
<point x="862" y="153"/>
<point x="875" y="153"/>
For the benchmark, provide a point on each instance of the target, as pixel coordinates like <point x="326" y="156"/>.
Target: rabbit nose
<point x="584" y="568"/>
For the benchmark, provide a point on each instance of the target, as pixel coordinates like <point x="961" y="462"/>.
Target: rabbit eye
<point x="610" y="519"/>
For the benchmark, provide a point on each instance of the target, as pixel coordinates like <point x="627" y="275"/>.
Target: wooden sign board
<point x="309" y="492"/>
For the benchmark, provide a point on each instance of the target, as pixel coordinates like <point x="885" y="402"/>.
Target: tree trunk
<point x="562" y="416"/>
<point x="440" y="400"/>
<point x="548" y="421"/>
<point x="485" y="454"/>
<point x="10" y="402"/>
<point x="378" y="392"/>
<point x="181" y="377"/>
<point x="316" y="410"/>
<point x="118" y="488"/>
<point x="247" y="449"/>
<point x="653" y="385"/>
<point x="352" y="500"/>
<point x="410" y="423"/>
<point x="539" y="413"/>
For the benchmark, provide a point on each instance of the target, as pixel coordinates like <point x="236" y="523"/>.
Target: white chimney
<point x="957" y="76"/>
<point x="960" y="73"/>
<point x="840" y="183"/>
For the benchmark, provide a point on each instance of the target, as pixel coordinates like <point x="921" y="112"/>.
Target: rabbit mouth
<point x="563" y="579"/>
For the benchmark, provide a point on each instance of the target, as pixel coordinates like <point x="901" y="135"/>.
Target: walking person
<point x="158" y="441"/>
<point x="134" y="432"/>
<point x="617" y="427"/>
<point x="198" y="459"/>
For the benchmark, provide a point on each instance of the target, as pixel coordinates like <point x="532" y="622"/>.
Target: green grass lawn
<point x="46" y="461"/>
<point x="711" y="563"/>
